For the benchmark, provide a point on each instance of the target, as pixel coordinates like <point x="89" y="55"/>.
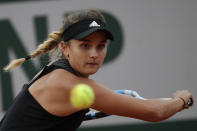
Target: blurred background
<point x="154" y="51"/>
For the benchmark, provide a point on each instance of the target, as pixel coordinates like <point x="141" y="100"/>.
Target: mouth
<point x="92" y="63"/>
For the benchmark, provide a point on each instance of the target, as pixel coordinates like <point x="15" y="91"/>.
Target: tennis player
<point x="77" y="51"/>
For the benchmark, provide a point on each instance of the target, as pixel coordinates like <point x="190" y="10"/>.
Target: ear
<point x="65" y="50"/>
<point x="63" y="46"/>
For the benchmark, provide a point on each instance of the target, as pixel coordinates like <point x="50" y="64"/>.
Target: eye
<point x="101" y="46"/>
<point x="85" y="45"/>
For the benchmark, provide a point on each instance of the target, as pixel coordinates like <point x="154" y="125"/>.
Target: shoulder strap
<point x="59" y="64"/>
<point x="38" y="75"/>
<point x="64" y="64"/>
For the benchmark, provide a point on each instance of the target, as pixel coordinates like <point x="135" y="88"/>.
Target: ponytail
<point x="51" y="43"/>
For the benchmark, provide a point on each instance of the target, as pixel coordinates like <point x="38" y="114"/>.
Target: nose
<point x="93" y="53"/>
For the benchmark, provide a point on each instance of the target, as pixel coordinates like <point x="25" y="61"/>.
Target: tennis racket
<point x="93" y="114"/>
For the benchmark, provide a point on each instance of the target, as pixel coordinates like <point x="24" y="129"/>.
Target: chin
<point x="91" y="72"/>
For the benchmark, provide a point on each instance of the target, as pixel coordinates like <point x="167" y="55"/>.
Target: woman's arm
<point x="110" y="102"/>
<point x="148" y="110"/>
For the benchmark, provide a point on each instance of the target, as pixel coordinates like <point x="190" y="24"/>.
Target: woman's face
<point x="87" y="55"/>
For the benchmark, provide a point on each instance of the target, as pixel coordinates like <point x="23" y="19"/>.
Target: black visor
<point x="84" y="28"/>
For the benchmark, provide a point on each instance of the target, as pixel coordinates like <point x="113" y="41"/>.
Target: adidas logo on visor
<point x="94" y="24"/>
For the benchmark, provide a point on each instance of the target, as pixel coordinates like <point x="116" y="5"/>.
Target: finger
<point x="190" y="102"/>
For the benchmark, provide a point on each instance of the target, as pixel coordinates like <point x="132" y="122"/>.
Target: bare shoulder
<point x="61" y="78"/>
<point x="52" y="92"/>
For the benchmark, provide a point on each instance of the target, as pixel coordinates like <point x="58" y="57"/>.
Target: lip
<point x="92" y="63"/>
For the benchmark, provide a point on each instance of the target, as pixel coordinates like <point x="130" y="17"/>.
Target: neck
<point x="81" y="75"/>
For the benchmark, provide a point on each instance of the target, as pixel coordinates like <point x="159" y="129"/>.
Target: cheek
<point x="104" y="53"/>
<point x="78" y="55"/>
<point x="76" y="58"/>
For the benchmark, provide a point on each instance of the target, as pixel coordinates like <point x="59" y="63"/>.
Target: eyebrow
<point x="87" y="40"/>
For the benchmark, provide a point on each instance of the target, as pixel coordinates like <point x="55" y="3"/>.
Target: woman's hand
<point x="183" y="95"/>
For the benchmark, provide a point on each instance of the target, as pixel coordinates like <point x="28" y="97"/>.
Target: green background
<point x="189" y="125"/>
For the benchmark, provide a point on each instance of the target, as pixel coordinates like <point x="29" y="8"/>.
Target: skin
<point x="86" y="57"/>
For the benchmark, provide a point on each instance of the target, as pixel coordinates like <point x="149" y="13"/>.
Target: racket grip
<point x="190" y="102"/>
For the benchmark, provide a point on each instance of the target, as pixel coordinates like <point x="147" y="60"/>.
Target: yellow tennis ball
<point x="82" y="96"/>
